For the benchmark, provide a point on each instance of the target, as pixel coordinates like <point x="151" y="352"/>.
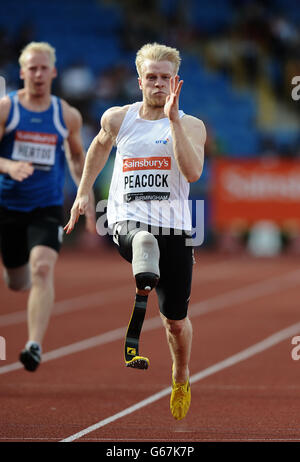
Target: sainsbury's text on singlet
<point x="146" y="178"/>
<point x="146" y="163"/>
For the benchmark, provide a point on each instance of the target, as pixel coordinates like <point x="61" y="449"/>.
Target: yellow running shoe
<point x="180" y="399"/>
<point x="138" y="362"/>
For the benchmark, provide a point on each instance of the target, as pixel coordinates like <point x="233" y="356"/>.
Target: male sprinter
<point x="37" y="132"/>
<point x="160" y="150"/>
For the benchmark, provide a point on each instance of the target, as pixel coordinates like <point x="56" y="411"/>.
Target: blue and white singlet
<point x="36" y="137"/>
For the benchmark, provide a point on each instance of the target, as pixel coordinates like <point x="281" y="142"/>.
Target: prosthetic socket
<point x="145" y="260"/>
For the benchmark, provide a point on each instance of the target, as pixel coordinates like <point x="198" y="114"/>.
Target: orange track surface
<point x="237" y="302"/>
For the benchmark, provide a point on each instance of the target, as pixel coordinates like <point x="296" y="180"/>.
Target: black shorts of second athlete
<point x="175" y="263"/>
<point x="21" y="231"/>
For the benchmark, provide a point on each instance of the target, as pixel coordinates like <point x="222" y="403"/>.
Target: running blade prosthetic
<point x="132" y="357"/>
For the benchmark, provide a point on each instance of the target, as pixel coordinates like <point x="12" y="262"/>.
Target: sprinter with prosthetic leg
<point x="160" y="150"/>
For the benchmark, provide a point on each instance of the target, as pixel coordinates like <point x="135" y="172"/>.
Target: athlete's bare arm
<point x="188" y="133"/>
<point x="4" y="111"/>
<point x="75" y="151"/>
<point x="96" y="158"/>
<point x="189" y="144"/>
<point x="15" y="169"/>
<point x="75" y="156"/>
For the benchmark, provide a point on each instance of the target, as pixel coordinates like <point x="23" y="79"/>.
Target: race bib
<point x="37" y="148"/>
<point x="146" y="178"/>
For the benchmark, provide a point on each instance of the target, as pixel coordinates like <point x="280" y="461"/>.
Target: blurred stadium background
<point x="238" y="61"/>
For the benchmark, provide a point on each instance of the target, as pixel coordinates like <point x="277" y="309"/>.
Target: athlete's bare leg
<point x="179" y="338"/>
<point x="36" y="276"/>
<point x="41" y="297"/>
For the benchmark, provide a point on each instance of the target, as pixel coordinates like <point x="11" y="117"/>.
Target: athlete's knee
<point x="42" y="262"/>
<point x="145" y="260"/>
<point x="175" y="327"/>
<point x="41" y="270"/>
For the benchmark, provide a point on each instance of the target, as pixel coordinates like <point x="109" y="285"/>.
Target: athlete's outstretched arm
<point x="75" y="157"/>
<point x="95" y="160"/>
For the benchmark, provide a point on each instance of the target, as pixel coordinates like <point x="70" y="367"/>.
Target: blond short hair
<point x="157" y="52"/>
<point x="38" y="46"/>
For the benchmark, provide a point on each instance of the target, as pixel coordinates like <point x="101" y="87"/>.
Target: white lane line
<point x="228" y="362"/>
<point x="76" y="347"/>
<point x="244" y="294"/>
<point x="99" y="298"/>
<point x="248" y="293"/>
<point x="71" y="304"/>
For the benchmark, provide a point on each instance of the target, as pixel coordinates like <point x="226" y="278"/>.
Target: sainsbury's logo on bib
<point x="34" y="137"/>
<point x="147" y="163"/>
<point x="37" y="148"/>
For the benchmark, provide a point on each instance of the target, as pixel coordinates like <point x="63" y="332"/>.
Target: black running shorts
<point x="175" y="263"/>
<point x="21" y="231"/>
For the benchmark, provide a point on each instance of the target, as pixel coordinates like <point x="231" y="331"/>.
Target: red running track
<point x="245" y="383"/>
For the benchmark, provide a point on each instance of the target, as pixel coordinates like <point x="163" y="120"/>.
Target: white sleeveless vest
<point x="147" y="185"/>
